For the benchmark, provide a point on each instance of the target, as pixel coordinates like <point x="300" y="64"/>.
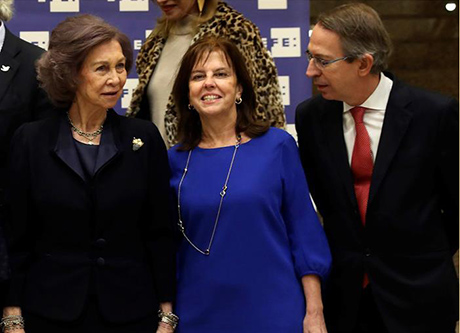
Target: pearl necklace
<point x="88" y="135"/>
<point x="222" y="195"/>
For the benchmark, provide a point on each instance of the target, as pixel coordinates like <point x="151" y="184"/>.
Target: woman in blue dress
<point x="253" y="253"/>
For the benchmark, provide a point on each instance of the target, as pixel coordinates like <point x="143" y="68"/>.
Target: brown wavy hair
<point x="189" y="126"/>
<point x="70" y="43"/>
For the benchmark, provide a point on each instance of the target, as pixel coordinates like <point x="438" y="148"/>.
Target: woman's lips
<point x="167" y="8"/>
<point x="110" y="94"/>
<point x="210" y="97"/>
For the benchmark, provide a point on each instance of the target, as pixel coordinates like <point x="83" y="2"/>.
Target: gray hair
<point x="6" y="9"/>
<point x="361" y="31"/>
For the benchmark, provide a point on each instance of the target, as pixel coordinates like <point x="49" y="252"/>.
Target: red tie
<point x="361" y="162"/>
<point x="361" y="166"/>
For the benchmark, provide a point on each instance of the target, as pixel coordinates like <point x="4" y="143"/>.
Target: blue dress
<point x="267" y="238"/>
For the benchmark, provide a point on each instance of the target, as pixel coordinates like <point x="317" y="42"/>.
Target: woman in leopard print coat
<point x="226" y="22"/>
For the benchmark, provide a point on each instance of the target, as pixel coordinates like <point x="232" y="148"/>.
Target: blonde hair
<point x="164" y="25"/>
<point x="6" y="9"/>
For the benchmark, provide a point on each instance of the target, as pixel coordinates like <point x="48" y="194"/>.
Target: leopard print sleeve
<point x="263" y="72"/>
<point x="145" y="65"/>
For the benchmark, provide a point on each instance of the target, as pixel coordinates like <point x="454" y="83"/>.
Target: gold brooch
<point x="137" y="144"/>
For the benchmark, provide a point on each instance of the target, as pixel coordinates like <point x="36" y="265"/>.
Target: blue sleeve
<point x="309" y="246"/>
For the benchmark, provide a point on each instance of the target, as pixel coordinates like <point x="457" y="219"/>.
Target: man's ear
<point x="365" y="64"/>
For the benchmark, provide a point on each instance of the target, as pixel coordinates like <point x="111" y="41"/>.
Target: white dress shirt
<point x="373" y="118"/>
<point x="2" y="34"/>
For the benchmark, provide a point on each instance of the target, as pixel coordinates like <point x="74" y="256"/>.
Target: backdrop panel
<point x="283" y="24"/>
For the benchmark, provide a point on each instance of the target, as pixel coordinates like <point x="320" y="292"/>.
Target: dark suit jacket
<point x="110" y="235"/>
<point x="411" y="227"/>
<point x="21" y="100"/>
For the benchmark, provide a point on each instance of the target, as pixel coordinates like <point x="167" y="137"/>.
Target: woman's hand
<point x="13" y="311"/>
<point x="163" y="328"/>
<point x="314" y="319"/>
<point x="314" y="323"/>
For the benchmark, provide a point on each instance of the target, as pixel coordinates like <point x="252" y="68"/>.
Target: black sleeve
<point x="448" y="167"/>
<point x="160" y="229"/>
<point x="17" y="227"/>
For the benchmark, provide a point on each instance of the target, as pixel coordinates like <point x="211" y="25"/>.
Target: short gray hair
<point x="6" y="9"/>
<point x="361" y="31"/>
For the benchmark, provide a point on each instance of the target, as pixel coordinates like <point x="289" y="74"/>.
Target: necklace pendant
<point x="90" y="143"/>
<point x="181" y="226"/>
<point x="224" y="191"/>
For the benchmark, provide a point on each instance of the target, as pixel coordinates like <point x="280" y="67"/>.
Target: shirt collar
<point x="378" y="100"/>
<point x="2" y="34"/>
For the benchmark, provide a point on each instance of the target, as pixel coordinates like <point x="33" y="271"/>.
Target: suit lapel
<point x="333" y="127"/>
<point x="8" y="64"/>
<point x="109" y="151"/>
<point x="108" y="148"/>
<point x="65" y="148"/>
<point x="397" y="119"/>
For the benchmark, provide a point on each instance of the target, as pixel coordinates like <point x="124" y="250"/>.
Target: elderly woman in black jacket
<point x="90" y="233"/>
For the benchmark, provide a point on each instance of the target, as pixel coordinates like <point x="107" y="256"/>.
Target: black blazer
<point x="110" y="235"/>
<point x="411" y="228"/>
<point x="21" y="100"/>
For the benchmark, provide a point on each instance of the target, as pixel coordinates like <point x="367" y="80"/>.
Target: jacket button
<point x="367" y="252"/>
<point x="100" y="243"/>
<point x="100" y="261"/>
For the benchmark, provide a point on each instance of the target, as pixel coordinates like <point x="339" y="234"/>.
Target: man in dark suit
<point x="21" y="99"/>
<point x="381" y="159"/>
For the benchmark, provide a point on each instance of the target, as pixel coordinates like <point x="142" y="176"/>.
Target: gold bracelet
<point x="12" y="322"/>
<point x="168" y="318"/>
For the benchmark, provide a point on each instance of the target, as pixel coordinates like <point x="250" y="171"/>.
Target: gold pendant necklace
<point x="222" y="193"/>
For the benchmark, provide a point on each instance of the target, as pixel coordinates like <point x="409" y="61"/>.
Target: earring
<point x="238" y="101"/>
<point x="190" y="107"/>
<point x="200" y="5"/>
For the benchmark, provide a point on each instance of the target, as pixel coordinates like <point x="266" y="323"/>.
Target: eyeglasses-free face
<point x="213" y="87"/>
<point x="176" y="10"/>
<point x="321" y="63"/>
<point x="102" y="77"/>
